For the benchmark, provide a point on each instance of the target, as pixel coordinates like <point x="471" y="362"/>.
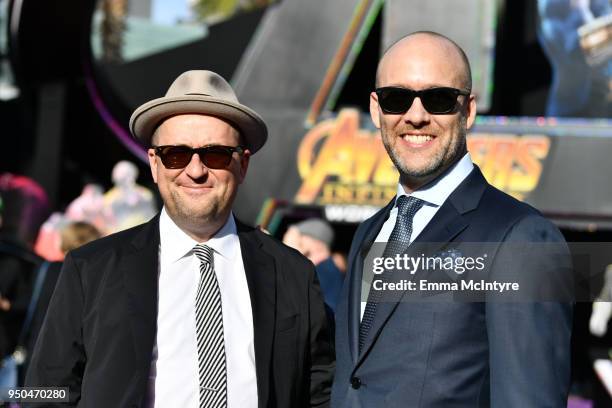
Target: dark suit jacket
<point x="456" y="353"/>
<point x="98" y="336"/>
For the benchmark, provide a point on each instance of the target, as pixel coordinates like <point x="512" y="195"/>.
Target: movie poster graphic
<point x="576" y="36"/>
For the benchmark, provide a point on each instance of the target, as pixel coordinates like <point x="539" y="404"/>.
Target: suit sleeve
<point x="59" y="358"/>
<point x="321" y="346"/>
<point x="529" y="336"/>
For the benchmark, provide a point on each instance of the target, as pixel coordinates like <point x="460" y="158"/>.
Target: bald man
<point x="401" y="346"/>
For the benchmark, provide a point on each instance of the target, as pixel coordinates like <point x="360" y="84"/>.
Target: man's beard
<point x="441" y="159"/>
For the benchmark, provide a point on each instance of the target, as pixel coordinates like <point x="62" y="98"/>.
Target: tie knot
<point x="407" y="206"/>
<point x="204" y="253"/>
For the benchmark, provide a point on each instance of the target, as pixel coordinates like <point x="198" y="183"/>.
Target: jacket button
<point x="355" y="383"/>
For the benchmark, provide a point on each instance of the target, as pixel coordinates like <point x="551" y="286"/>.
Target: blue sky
<point x="167" y="12"/>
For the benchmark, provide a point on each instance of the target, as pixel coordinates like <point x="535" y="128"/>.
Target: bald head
<point x="427" y="44"/>
<point x="421" y="141"/>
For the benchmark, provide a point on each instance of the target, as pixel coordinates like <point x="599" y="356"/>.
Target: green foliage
<point x="205" y="9"/>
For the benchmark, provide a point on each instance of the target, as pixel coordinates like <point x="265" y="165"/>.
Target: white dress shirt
<point x="174" y="379"/>
<point x="434" y="195"/>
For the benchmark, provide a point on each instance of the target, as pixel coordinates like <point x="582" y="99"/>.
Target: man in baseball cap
<point x="192" y="309"/>
<point x="313" y="237"/>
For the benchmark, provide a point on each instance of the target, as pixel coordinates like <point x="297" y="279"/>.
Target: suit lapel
<point x="354" y="310"/>
<point x="450" y="220"/>
<point x="261" y="279"/>
<point x="446" y="224"/>
<point x="140" y="268"/>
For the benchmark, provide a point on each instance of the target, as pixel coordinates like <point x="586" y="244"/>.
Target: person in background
<point x="77" y="234"/>
<point x="25" y="206"/>
<point x="313" y="238"/>
<point x="73" y="235"/>
<point x="340" y="261"/>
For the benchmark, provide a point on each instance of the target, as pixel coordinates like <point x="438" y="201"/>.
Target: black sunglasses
<point x="396" y="100"/>
<point x="213" y="156"/>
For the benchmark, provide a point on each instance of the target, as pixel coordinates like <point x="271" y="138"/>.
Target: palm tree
<point x="112" y="29"/>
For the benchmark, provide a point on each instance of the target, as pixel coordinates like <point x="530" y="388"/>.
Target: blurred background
<point x="71" y="73"/>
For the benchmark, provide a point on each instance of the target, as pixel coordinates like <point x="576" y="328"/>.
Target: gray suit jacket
<point x="458" y="353"/>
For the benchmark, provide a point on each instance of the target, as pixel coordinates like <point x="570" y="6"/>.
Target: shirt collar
<point x="176" y="243"/>
<point x="225" y="242"/>
<point x="436" y="192"/>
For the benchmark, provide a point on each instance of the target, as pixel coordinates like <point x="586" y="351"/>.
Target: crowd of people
<point x="32" y="250"/>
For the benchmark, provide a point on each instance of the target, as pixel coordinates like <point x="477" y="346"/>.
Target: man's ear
<point x="374" y="109"/>
<point x="471" y="111"/>
<point x="152" y="163"/>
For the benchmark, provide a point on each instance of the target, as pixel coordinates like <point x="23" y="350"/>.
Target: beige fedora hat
<point x="203" y="92"/>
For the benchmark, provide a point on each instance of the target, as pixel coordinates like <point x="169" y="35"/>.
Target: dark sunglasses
<point x="213" y="157"/>
<point x="396" y="100"/>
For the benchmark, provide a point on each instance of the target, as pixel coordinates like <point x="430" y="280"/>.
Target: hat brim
<point x="149" y="116"/>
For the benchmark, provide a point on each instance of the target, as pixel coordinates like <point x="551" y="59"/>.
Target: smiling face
<point x="198" y="199"/>
<point x="422" y="145"/>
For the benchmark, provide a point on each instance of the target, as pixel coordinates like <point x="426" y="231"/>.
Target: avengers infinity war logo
<point x="340" y="163"/>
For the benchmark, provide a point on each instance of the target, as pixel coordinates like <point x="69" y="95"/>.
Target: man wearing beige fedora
<point x="192" y="309"/>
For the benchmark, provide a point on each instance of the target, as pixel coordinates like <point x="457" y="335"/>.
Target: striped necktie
<point x="212" y="369"/>
<point x="407" y="207"/>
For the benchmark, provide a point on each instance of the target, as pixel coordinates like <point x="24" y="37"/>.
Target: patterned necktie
<point x="398" y="242"/>
<point x="209" y="334"/>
